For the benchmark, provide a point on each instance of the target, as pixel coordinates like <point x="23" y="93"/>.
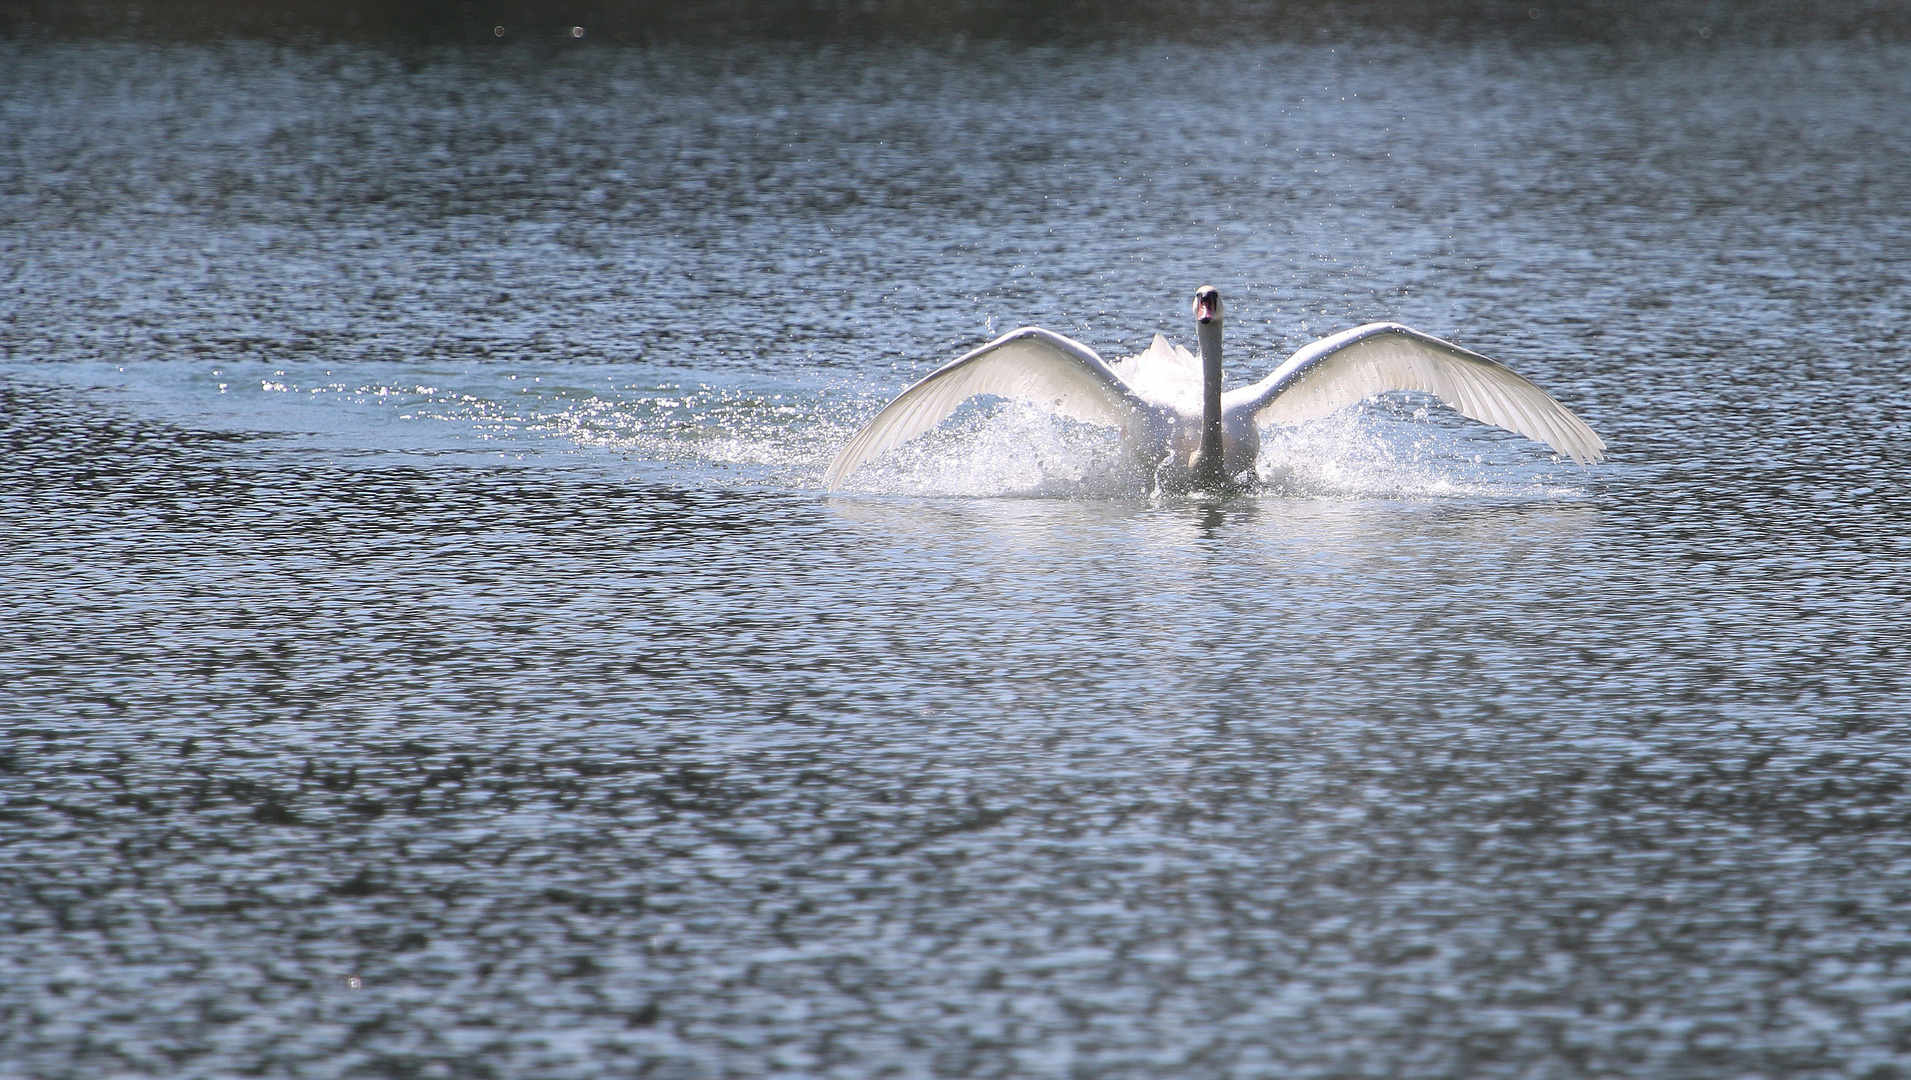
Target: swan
<point x="1179" y="424"/>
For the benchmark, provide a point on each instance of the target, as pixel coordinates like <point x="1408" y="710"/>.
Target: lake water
<point x="426" y="649"/>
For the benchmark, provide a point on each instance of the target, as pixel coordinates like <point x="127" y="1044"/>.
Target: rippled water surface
<point x="427" y="650"/>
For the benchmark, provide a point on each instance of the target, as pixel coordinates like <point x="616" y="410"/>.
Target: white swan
<point x="1179" y="424"/>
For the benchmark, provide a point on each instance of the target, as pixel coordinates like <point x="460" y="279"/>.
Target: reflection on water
<point x="427" y="652"/>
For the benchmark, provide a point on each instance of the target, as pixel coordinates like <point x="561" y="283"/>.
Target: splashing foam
<point x="985" y="450"/>
<point x="1380" y="451"/>
<point x="1008" y="448"/>
<point x="750" y="437"/>
<point x="1385" y="449"/>
<point x="731" y="435"/>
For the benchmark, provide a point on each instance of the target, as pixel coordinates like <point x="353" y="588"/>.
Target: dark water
<point x="427" y="652"/>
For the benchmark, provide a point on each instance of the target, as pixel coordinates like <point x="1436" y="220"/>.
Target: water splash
<point x="1006" y="449"/>
<point x="1384" y="450"/>
<point x="757" y="434"/>
<point x="1390" y="449"/>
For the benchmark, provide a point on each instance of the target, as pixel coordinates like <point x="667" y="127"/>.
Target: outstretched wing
<point x="1031" y="364"/>
<point x="1352" y="365"/>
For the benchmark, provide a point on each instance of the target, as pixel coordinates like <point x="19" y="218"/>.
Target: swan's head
<point x="1207" y="304"/>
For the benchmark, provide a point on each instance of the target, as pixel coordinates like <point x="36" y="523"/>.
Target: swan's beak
<point x="1207" y="305"/>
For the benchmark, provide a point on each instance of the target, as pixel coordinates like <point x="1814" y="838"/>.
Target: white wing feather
<point x="1030" y="364"/>
<point x="1356" y="364"/>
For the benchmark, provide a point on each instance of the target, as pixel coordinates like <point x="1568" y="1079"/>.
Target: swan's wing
<point x="1032" y="364"/>
<point x="1352" y="365"/>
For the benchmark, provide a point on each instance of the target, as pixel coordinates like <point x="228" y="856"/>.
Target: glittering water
<point x="427" y="651"/>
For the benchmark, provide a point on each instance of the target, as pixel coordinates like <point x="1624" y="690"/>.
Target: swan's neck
<point x="1208" y="470"/>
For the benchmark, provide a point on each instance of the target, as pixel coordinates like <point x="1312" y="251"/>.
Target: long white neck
<point x="1208" y="470"/>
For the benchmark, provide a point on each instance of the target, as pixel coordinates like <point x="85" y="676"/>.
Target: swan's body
<point x="1169" y="405"/>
